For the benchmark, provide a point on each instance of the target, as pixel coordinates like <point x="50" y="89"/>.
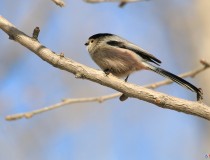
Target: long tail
<point x="177" y="79"/>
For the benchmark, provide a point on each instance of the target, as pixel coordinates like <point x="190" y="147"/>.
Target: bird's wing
<point x="145" y="55"/>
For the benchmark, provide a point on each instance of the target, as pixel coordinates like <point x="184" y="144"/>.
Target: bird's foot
<point x="107" y="71"/>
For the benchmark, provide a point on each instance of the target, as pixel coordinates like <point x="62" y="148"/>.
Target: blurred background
<point x="175" y="31"/>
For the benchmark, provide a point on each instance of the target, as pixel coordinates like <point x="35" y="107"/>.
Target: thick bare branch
<point x="82" y="71"/>
<point x="102" y="98"/>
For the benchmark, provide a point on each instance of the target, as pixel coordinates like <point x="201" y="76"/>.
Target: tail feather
<point x="177" y="79"/>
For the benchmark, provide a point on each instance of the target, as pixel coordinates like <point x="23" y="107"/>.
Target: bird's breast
<point x="120" y="62"/>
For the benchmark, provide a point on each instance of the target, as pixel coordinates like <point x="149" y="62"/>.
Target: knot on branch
<point x="79" y="75"/>
<point x="61" y="55"/>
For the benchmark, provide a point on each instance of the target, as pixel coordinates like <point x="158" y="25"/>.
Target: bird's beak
<point x="87" y="43"/>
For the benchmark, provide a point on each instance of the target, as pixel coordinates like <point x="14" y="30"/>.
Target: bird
<point x="116" y="55"/>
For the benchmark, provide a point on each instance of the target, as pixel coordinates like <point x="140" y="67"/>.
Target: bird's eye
<point x="92" y="41"/>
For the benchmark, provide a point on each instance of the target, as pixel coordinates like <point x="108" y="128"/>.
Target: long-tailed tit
<point x="120" y="57"/>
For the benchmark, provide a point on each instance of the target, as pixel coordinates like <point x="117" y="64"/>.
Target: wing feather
<point x="142" y="53"/>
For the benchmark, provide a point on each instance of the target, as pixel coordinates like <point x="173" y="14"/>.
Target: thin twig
<point x="60" y="104"/>
<point x="59" y="3"/>
<point x="193" y="73"/>
<point x="99" y="1"/>
<point x="122" y="2"/>
<point x="30" y="114"/>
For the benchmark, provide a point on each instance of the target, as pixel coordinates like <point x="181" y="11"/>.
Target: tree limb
<point x="122" y="2"/>
<point x="101" y="99"/>
<point x="81" y="71"/>
<point x="98" y="1"/>
<point x="59" y="3"/>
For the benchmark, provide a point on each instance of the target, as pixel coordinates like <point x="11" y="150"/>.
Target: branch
<point x="193" y="73"/>
<point x="36" y="33"/>
<point x="60" y="104"/>
<point x="59" y="3"/>
<point x="82" y="71"/>
<point x="101" y="99"/>
<point x="122" y="2"/>
<point x="98" y="1"/>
